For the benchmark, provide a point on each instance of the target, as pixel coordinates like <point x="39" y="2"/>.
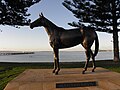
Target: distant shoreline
<point x="15" y="53"/>
<point x="2" y="53"/>
<point x="105" y="50"/>
<point x="47" y="56"/>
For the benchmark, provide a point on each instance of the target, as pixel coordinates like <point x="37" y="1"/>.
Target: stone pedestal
<point x="67" y="79"/>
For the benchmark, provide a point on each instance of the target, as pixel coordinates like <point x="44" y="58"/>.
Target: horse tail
<point x="96" y="45"/>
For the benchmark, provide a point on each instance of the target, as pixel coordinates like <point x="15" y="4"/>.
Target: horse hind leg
<point x="87" y="61"/>
<point x="93" y="61"/>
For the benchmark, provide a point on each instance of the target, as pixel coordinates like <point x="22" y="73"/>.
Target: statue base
<point x="67" y="79"/>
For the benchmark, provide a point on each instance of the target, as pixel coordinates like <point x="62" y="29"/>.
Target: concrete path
<point x="43" y="79"/>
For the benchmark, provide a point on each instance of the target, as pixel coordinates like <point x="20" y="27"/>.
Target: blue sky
<point x="26" y="39"/>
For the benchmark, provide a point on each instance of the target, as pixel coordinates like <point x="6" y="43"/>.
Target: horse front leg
<point x="55" y="64"/>
<point x="56" y="61"/>
<point x="87" y="61"/>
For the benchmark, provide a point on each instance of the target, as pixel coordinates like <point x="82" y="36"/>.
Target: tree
<point x="101" y="15"/>
<point x="14" y="12"/>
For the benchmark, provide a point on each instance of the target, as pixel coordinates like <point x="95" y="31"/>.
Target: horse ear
<point x="41" y="15"/>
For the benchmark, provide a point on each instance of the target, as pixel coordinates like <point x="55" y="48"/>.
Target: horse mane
<point x="51" y="24"/>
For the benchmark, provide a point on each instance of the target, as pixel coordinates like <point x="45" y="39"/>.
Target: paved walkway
<point x="43" y="79"/>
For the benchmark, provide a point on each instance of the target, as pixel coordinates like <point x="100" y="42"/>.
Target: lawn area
<point x="8" y="71"/>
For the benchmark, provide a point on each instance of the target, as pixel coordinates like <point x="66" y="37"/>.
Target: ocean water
<point x="47" y="56"/>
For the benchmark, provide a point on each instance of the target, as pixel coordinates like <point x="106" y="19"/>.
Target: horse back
<point x="70" y="38"/>
<point x="73" y="37"/>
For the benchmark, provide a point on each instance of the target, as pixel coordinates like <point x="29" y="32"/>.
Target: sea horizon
<point x="47" y="56"/>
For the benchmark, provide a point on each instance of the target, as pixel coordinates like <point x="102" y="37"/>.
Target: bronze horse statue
<point x="61" y="38"/>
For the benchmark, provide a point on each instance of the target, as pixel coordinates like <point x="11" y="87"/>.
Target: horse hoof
<point x="83" y="72"/>
<point x="93" y="70"/>
<point x="56" y="73"/>
<point x="53" y="71"/>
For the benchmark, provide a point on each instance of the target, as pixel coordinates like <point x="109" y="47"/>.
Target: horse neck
<point x="49" y="30"/>
<point x="50" y="27"/>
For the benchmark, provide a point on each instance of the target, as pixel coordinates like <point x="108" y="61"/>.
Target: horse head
<point x="38" y="22"/>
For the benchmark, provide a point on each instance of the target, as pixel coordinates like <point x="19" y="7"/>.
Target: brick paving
<point x="67" y="79"/>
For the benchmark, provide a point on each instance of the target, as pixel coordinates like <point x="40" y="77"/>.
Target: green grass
<point x="114" y="68"/>
<point x="9" y="71"/>
<point x="8" y="74"/>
